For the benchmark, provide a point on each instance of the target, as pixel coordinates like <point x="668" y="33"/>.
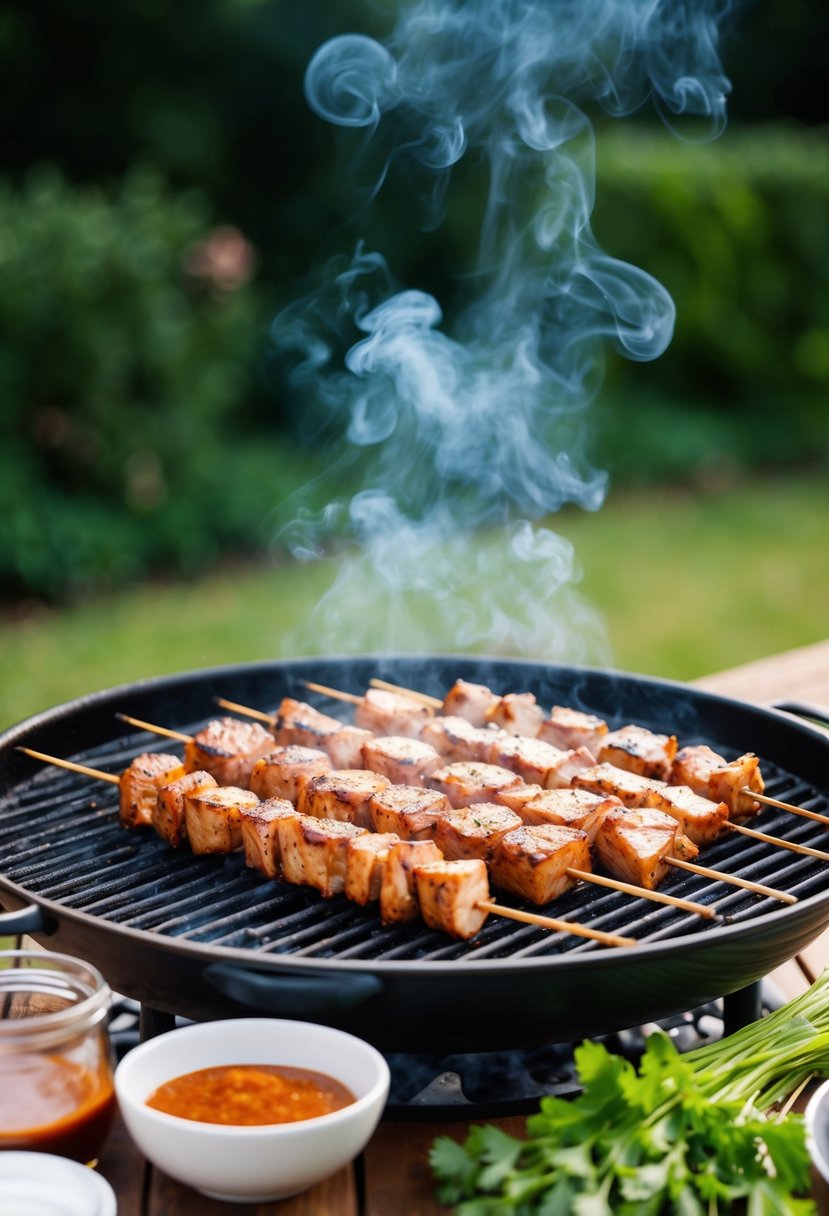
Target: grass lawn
<point x="682" y="584"/>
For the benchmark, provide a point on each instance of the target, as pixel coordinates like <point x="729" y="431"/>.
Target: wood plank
<point x="796" y="675"/>
<point x="398" y="1178"/>
<point x="336" y="1196"/>
<point x="124" y="1169"/>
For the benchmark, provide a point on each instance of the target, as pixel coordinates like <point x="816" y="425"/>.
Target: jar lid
<point x="40" y="1184"/>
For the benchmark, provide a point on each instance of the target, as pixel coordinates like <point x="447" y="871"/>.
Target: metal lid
<point x="39" y="1184"/>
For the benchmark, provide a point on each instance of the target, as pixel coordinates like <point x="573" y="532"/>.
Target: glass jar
<point x="56" y="1090"/>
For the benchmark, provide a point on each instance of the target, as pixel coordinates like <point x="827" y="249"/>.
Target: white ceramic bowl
<point x="817" y="1129"/>
<point x="252" y="1164"/>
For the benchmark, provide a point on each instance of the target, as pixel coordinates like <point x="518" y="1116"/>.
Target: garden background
<point x="166" y="192"/>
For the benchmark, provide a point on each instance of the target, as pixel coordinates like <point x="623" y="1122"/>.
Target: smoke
<point x="468" y="437"/>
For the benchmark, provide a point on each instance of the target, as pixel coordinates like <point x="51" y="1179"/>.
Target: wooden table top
<point x="392" y="1178"/>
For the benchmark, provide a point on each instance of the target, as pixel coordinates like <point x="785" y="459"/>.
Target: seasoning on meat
<point x="633" y="843"/>
<point x="398" y="890"/>
<point x="260" y="838"/>
<point x="518" y="713"/>
<point x="456" y="739"/>
<point x="213" y="818"/>
<point x="364" y="865"/>
<point x="474" y="702"/>
<point x="571" y="808"/>
<point x="566" y="728"/>
<point x="404" y="761"/>
<point x="391" y="713"/>
<point x="712" y="776"/>
<point x="473" y="831"/>
<point x="533" y="861"/>
<point x="322" y="843"/>
<point x="639" y="751"/>
<point x="227" y="748"/>
<point x="139" y="786"/>
<point x="450" y="894"/>
<point x="283" y="772"/>
<point x="342" y="794"/>
<point x="409" y="811"/>
<point x="168" y="813"/>
<point x="466" y="783"/>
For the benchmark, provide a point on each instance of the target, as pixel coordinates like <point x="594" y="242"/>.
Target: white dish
<point x="261" y="1163"/>
<point x="817" y="1129"/>
<point x="40" y="1184"/>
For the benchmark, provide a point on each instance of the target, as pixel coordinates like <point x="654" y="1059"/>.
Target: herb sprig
<point x="686" y="1134"/>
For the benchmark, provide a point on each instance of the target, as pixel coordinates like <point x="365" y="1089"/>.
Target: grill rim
<point x="689" y="944"/>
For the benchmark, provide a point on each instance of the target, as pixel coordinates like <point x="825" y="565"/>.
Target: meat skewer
<point x="693" y="756"/>
<point x="360" y="786"/>
<point x="436" y="873"/>
<point x="700" y="818"/>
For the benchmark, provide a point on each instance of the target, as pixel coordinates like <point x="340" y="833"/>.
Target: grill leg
<point x="154" y="1021"/>
<point x="742" y="1007"/>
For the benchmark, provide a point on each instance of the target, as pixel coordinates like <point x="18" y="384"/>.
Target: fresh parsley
<point x="685" y="1134"/>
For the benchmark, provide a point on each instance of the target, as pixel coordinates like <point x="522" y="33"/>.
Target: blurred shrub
<point x="127" y="338"/>
<point x="736" y="231"/>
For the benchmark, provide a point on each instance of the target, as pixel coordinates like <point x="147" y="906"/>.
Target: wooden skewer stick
<point x="155" y="730"/>
<point x="436" y="703"/>
<point x="112" y="778"/>
<point x="246" y="710"/>
<point x="778" y="840"/>
<point x="336" y="694"/>
<point x="559" y="926"/>
<point x="719" y="876"/>
<point x="627" y="888"/>
<point x="534" y="918"/>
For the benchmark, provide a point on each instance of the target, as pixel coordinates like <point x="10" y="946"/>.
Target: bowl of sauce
<point x="56" y="1082"/>
<point x="252" y="1109"/>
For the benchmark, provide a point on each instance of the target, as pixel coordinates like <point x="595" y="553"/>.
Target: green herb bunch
<point x="688" y="1134"/>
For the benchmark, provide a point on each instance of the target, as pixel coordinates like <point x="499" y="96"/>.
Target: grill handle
<point x="291" y="995"/>
<point x="805" y="709"/>
<point x="29" y="919"/>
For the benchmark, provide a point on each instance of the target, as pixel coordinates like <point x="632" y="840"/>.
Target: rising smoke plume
<point x="483" y="427"/>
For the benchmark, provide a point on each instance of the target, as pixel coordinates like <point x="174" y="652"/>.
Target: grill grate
<point x="60" y="840"/>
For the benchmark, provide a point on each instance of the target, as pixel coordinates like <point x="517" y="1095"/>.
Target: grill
<point x="207" y="937"/>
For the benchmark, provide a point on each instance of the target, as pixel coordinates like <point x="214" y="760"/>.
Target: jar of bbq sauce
<point x="56" y="1090"/>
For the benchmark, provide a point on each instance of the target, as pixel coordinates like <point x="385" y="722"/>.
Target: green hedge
<point x="736" y="230"/>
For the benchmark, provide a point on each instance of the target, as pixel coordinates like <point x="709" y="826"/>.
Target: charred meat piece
<point x="568" y="728"/>
<point x="700" y="819"/>
<point x="465" y="783"/>
<point x="227" y="748"/>
<point x="639" y="751"/>
<point x="473" y="831"/>
<point x="344" y="794"/>
<point x="365" y="856"/>
<point x="533" y="862"/>
<point x="403" y="760"/>
<point x="562" y="774"/>
<point x="517" y="797"/>
<point x="391" y="713"/>
<point x="634" y="843"/>
<point x="140" y="785"/>
<point x="531" y="759"/>
<point x="282" y="772"/>
<point x="630" y="788"/>
<point x="410" y="811"/>
<point x="712" y="776"/>
<point x="569" y="808"/>
<point x="322" y="844"/>
<point x="474" y="702"/>
<point x="260" y="839"/>
<point x="450" y="894"/>
<point x="213" y="818"/>
<point x="456" y="739"/>
<point x="298" y="723"/>
<point x="398" y="889"/>
<point x="345" y="746"/>
<point x="168" y="812"/>
<point x="518" y="713"/>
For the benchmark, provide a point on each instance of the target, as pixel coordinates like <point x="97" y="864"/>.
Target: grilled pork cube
<point x="518" y="713"/>
<point x="474" y="702"/>
<point x="260" y="839"/>
<point x="398" y="889"/>
<point x="450" y="894"/>
<point x="322" y="843"/>
<point x="516" y="798"/>
<point x="639" y="751"/>
<point x="456" y="739"/>
<point x="364" y="864"/>
<point x="168" y="812"/>
<point x="140" y="784"/>
<point x="298" y="723"/>
<point x="345" y="746"/>
<point x="473" y="831"/>
<point x="533" y="861"/>
<point x="630" y="788"/>
<point x="700" y="819"/>
<point x="570" y="808"/>
<point x="344" y="794"/>
<point x="213" y="818"/>
<point x="532" y="760"/>
<point x="568" y="728"/>
<point x="391" y="713"/>
<point x="465" y="783"/>
<point x="403" y="760"/>
<point x="633" y="843"/>
<point x="228" y="748"/>
<point x="563" y="773"/>
<point x="408" y="810"/>
<point x="281" y="773"/>
<point x="712" y="776"/>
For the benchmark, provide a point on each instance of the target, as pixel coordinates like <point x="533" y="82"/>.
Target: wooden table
<point x="392" y="1178"/>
